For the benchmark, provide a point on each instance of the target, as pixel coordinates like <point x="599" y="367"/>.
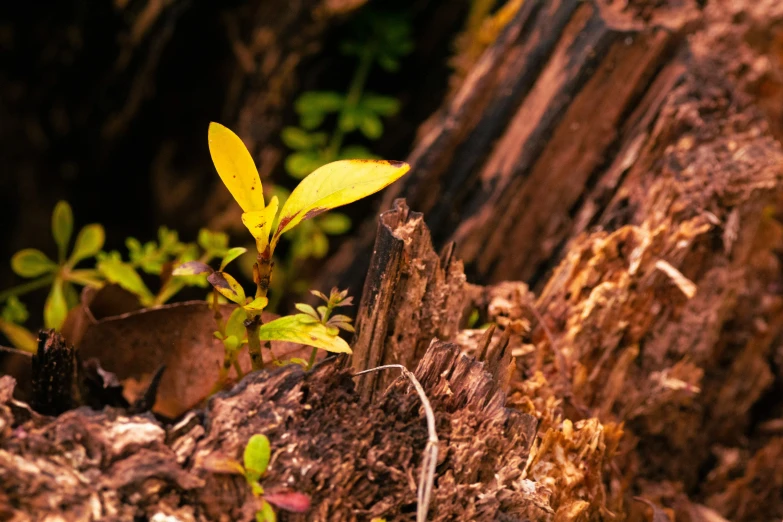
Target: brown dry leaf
<point x="179" y="336"/>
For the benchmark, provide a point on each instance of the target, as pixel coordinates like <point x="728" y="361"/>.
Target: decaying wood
<point x="514" y="156"/>
<point x="411" y="295"/>
<point x="354" y="460"/>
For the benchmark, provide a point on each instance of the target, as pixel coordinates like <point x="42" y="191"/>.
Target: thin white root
<point x="430" y="457"/>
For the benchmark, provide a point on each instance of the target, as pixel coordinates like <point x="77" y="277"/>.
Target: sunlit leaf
<point x="88" y="243"/>
<point x="236" y="168"/>
<point x="192" y="268"/>
<point x="32" y="263"/>
<point x="227" y="286"/>
<point x="257" y="304"/>
<point x="259" y="223"/>
<point x="266" y="513"/>
<point x="334" y="185"/>
<point x="231" y="343"/>
<point x="235" y="326"/>
<point x="256" y="457"/>
<point x="62" y="227"/>
<point x="19" y="336"/>
<point x="306" y="309"/>
<point x="299" y="329"/>
<point x="55" y="308"/>
<point x="232" y="254"/>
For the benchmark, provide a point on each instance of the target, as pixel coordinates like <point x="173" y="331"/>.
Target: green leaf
<point x="371" y="126"/>
<point x="298" y="139"/>
<point x="257" y="304"/>
<point x="259" y="223"/>
<point x="307" y="309"/>
<point x="123" y="274"/>
<point x="236" y="168"/>
<point x="256" y="457"/>
<point x="266" y="513"/>
<point x="322" y="102"/>
<point x="299" y="329"/>
<point x="349" y="119"/>
<point x="192" y="268"/>
<point x="62" y="227"/>
<point x="32" y="263"/>
<point x="381" y="105"/>
<point x="357" y="152"/>
<point x="232" y="254"/>
<point x="235" y="326"/>
<point x="231" y="343"/>
<point x="388" y="63"/>
<point x="216" y="243"/>
<point x="334" y="185"/>
<point x="300" y="164"/>
<point x="227" y="286"/>
<point x="334" y="223"/>
<point x="55" y="308"/>
<point x="15" y="311"/>
<point x="320" y="244"/>
<point x="19" y="336"/>
<point x="311" y="120"/>
<point x="88" y="243"/>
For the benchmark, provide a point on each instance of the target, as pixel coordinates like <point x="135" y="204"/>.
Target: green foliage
<point x="328" y="119"/>
<point x="332" y="185"/>
<point x="256" y="457"/>
<point x="62" y="277"/>
<point x="255" y="462"/>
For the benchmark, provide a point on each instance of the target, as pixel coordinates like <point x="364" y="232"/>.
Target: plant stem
<point x="324" y="320"/>
<point x="352" y="99"/>
<point x="26" y="287"/>
<point x="262" y="274"/>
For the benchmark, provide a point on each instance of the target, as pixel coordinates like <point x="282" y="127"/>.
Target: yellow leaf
<point x="334" y="185"/>
<point x="298" y="329"/>
<point x="235" y="166"/>
<point x="19" y="336"/>
<point x="227" y="286"/>
<point x="259" y="223"/>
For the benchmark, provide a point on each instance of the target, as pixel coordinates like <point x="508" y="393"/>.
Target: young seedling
<point x="62" y="275"/>
<point x="323" y="315"/>
<point x="255" y="461"/>
<point x="330" y="186"/>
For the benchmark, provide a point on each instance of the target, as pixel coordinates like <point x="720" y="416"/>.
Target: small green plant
<point x="63" y="277"/>
<point x="330" y="186"/>
<point x="255" y="461"/>
<point x="329" y="119"/>
<point x="323" y="314"/>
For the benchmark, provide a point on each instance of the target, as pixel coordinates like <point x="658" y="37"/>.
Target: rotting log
<point x="513" y="157"/>
<point x="411" y="295"/>
<point x="353" y="459"/>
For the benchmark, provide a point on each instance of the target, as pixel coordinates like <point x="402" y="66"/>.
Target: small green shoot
<point x="323" y="315"/>
<point x="330" y="186"/>
<point x="61" y="276"/>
